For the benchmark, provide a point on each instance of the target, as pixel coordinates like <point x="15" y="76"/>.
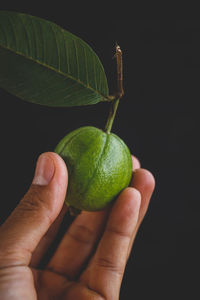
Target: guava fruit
<point x="99" y="166"/>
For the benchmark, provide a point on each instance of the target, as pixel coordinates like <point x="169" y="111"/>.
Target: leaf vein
<point x="86" y="68"/>
<point x="95" y="78"/>
<point x="77" y="60"/>
<point x="59" y="72"/>
<point x="4" y="33"/>
<point x="66" y="55"/>
<point x="57" y="47"/>
<point x="27" y="35"/>
<point x="35" y="41"/>
<point x="13" y="31"/>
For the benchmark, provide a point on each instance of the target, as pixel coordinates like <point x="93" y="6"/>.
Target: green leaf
<point x="42" y="63"/>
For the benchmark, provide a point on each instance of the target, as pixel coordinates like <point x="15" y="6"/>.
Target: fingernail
<point x="44" y="170"/>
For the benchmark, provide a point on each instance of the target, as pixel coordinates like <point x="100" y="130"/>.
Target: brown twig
<point x="118" y="55"/>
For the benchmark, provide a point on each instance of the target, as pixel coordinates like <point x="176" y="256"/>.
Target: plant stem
<point x="111" y="115"/>
<point x="120" y="91"/>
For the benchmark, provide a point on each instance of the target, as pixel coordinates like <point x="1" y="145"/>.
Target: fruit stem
<point x="120" y="90"/>
<point x="111" y="115"/>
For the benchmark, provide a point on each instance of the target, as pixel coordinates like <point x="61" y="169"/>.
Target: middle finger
<point x="78" y="244"/>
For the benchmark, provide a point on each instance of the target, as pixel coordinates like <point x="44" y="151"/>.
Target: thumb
<point x="27" y="224"/>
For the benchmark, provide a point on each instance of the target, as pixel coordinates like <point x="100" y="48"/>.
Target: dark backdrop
<point x="158" y="118"/>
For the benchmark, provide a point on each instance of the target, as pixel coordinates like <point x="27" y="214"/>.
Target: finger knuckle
<point x="10" y="256"/>
<point x="108" y="264"/>
<point x="123" y="234"/>
<point x="33" y="202"/>
<point x="82" y="234"/>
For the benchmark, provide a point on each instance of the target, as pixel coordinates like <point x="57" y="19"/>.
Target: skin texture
<point x="89" y="261"/>
<point x="99" y="167"/>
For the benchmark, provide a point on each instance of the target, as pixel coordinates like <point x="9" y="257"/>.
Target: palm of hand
<point x="76" y="270"/>
<point x="81" y="261"/>
<point x="90" y="260"/>
<point x="68" y="274"/>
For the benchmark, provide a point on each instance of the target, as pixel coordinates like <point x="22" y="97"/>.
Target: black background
<point x="158" y="118"/>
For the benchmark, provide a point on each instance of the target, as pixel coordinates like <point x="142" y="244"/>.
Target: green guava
<point x="99" y="166"/>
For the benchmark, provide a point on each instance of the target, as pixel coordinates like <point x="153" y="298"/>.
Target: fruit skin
<point x="99" y="166"/>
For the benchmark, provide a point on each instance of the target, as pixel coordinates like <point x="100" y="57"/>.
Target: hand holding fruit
<point x="89" y="262"/>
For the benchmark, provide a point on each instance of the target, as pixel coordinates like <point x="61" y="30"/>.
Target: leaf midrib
<point x="55" y="70"/>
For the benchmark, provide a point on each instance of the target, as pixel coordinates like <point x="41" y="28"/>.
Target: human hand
<point x="90" y="260"/>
